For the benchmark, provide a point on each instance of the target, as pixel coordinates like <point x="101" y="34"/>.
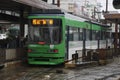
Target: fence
<point x="2" y="56"/>
<point x="8" y="55"/>
<point x="95" y="54"/>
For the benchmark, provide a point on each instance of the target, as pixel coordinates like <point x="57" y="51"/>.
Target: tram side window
<point x="70" y="37"/>
<point x="93" y="35"/>
<point x="87" y="34"/>
<point x="73" y="34"/>
<point x="84" y="34"/>
<point x="80" y="34"/>
<point x="97" y="36"/>
<point x="70" y="34"/>
<point x="102" y="35"/>
<point x="76" y="34"/>
<point x="108" y="35"/>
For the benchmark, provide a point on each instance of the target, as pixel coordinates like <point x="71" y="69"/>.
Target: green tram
<point x="54" y="37"/>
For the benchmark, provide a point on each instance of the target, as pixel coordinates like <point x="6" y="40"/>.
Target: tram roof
<point x="97" y="23"/>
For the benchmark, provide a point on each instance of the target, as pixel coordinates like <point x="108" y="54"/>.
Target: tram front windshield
<point x="45" y="30"/>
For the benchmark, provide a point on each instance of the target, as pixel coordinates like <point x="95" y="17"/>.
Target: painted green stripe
<point x="74" y="23"/>
<point x="82" y="24"/>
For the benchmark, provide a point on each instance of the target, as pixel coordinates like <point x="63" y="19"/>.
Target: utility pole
<point x="53" y="2"/>
<point x="106" y="21"/>
<point x="106" y="6"/>
<point x="58" y="3"/>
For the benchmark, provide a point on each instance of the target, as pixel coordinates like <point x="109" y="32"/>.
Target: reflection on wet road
<point x="108" y="72"/>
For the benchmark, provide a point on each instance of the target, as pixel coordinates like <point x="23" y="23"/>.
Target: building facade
<point x="87" y="8"/>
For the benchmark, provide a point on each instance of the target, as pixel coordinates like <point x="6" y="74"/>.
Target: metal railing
<point x="8" y="55"/>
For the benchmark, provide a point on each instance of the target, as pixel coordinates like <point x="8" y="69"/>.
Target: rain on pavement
<point x="110" y="71"/>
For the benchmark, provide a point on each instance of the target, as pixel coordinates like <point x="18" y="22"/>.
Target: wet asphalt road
<point x="32" y="73"/>
<point x="110" y="71"/>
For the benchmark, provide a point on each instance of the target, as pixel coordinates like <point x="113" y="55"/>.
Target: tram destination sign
<point x="42" y="22"/>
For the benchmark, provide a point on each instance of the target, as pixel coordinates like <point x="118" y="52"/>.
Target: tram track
<point x="115" y="76"/>
<point x="107" y="72"/>
<point x="42" y="73"/>
<point x="34" y="74"/>
<point x="112" y="76"/>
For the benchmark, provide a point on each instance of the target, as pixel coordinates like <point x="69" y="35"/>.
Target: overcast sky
<point x="110" y="6"/>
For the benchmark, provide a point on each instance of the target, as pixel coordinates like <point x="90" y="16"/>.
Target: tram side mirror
<point x="116" y="4"/>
